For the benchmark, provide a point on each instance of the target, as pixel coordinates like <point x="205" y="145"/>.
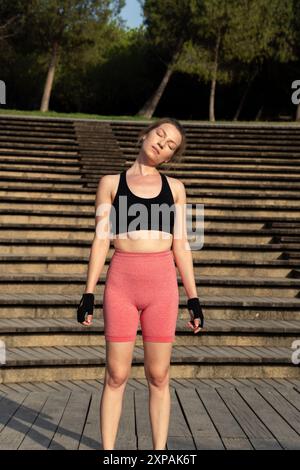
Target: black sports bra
<point x="130" y="212"/>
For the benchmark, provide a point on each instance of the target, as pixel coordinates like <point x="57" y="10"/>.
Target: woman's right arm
<point x="101" y="242"/>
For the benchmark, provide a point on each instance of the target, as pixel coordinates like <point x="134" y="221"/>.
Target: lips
<point x="155" y="149"/>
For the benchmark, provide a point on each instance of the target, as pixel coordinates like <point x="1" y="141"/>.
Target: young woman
<point x="141" y="282"/>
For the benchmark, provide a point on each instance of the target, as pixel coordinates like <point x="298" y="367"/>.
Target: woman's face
<point x="160" y="143"/>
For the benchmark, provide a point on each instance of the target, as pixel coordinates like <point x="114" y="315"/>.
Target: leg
<point x="117" y="372"/>
<point x="121" y="319"/>
<point x="157" y="357"/>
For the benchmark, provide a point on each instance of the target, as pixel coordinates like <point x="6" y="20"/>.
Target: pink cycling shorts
<point x="145" y="283"/>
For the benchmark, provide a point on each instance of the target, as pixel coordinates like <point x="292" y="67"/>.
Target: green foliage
<point x="251" y="32"/>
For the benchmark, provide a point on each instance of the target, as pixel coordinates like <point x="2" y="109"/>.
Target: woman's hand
<point x="197" y="318"/>
<point x="85" y="309"/>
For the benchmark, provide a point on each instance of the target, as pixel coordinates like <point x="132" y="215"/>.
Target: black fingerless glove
<point x="194" y="305"/>
<point x="85" y="307"/>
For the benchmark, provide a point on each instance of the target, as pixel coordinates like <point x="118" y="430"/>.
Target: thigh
<point x="159" y="317"/>
<point x="118" y="360"/>
<point x="157" y="358"/>
<point x="120" y="313"/>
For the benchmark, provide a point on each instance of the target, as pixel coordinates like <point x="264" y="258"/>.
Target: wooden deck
<point x="254" y="414"/>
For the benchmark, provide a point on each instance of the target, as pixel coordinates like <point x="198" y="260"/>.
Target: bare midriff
<point x="143" y="240"/>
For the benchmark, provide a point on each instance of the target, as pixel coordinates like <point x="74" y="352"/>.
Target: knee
<point x="116" y="379"/>
<point x="158" y="379"/>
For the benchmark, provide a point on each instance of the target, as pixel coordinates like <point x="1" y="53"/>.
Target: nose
<point x="162" y="142"/>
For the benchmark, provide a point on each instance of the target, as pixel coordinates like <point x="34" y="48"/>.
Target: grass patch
<point x="99" y="117"/>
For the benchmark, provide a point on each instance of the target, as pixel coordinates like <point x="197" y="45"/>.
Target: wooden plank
<point x="126" y="438"/>
<point x="5" y="389"/>
<point x="138" y="385"/>
<point x="85" y="385"/>
<point x="139" y="352"/>
<point x="69" y="385"/>
<point x="200" y="384"/>
<point x="62" y="387"/>
<point x="283" y="407"/>
<point x="90" y="352"/>
<point x="210" y="382"/>
<point x="130" y="384"/>
<point x="281" y="382"/>
<point x="258" y="434"/>
<point x="8" y="406"/>
<point x="184" y="383"/>
<point x="91" y="436"/>
<point x="231" y="433"/>
<point x="285" y="435"/>
<point x="17" y="388"/>
<point x="245" y="382"/>
<point x="93" y="351"/>
<point x="291" y="395"/>
<point x="102" y="353"/>
<point x="68" y="433"/>
<point x="267" y="352"/>
<point x="269" y="382"/>
<point x="202" y="428"/>
<point x="30" y="386"/>
<point x="295" y="382"/>
<point x="260" y="383"/>
<point x="233" y="382"/>
<point x="173" y="384"/>
<point x="248" y="352"/>
<point x="47" y="353"/>
<point x="43" y="429"/>
<point x="143" y="425"/>
<point x="28" y="353"/>
<point x="222" y="382"/>
<point x="56" y="385"/>
<point x="285" y="352"/>
<point x="20" y="423"/>
<point x="179" y="435"/>
<point x="235" y="352"/>
<point x="45" y="387"/>
<point x="206" y="351"/>
<point x="67" y="353"/>
<point x="12" y="354"/>
<point x="94" y="383"/>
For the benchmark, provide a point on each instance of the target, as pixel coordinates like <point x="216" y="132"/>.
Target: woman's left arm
<point x="181" y="247"/>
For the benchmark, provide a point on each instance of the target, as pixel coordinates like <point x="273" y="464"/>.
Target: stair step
<point x="69" y="300"/>
<point x="209" y="206"/>
<point x="77" y="362"/>
<point x="192" y="192"/>
<point x="208" y="217"/>
<point x="212" y="326"/>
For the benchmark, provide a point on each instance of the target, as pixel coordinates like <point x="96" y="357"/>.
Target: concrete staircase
<point x="248" y="272"/>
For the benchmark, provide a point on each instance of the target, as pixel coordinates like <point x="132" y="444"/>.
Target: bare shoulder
<point x="176" y="186"/>
<point x="105" y="187"/>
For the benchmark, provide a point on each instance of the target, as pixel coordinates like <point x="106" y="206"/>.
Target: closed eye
<point x="160" y="133"/>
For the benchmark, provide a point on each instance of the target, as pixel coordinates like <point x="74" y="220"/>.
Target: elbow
<point x="180" y="246"/>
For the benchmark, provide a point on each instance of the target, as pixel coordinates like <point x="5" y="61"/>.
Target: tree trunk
<point x="149" y="107"/>
<point x="298" y="113"/>
<point x="239" y="109"/>
<point x="2" y="92"/>
<point x="214" y="80"/>
<point x="258" y="115"/>
<point x="50" y="77"/>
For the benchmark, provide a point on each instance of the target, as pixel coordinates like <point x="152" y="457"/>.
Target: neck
<point x="142" y="169"/>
